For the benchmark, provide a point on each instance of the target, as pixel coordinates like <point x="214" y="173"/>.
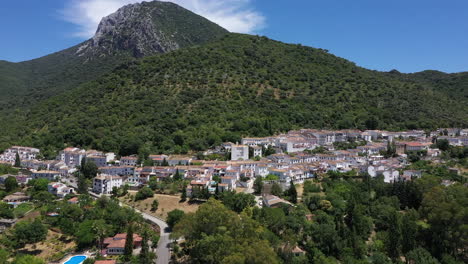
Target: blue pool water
<point x="76" y="260"/>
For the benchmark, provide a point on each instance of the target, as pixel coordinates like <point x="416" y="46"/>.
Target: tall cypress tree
<point x="292" y="192"/>
<point x="177" y="175"/>
<point x="128" y="251"/>
<point x="394" y="235"/>
<point x="410" y="231"/>
<point x="144" y="253"/>
<point x="183" y="197"/>
<point x="17" y="160"/>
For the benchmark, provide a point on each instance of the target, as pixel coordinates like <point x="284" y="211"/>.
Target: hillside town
<point x="290" y="157"/>
<point x="254" y="167"/>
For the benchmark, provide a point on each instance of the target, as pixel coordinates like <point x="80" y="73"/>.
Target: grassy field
<point x="167" y="203"/>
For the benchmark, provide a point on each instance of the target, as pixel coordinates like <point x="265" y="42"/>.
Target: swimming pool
<point x="76" y="260"/>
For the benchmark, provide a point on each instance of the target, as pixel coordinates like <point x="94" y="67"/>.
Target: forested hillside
<point x="455" y="84"/>
<point x="134" y="31"/>
<point x="240" y="85"/>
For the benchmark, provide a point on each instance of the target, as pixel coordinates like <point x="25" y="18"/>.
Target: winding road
<point x="162" y="251"/>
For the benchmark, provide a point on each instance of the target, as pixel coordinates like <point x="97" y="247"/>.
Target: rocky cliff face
<point x="147" y="28"/>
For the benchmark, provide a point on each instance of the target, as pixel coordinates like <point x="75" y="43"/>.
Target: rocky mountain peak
<point x="147" y="28"/>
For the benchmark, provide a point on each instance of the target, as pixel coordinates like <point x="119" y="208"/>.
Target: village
<point x="285" y="159"/>
<point x="292" y="157"/>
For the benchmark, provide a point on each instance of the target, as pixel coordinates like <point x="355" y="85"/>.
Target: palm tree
<point x="101" y="230"/>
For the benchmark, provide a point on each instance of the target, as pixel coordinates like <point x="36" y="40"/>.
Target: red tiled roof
<point x="105" y="261"/>
<point x="73" y="200"/>
<point x="414" y="144"/>
<point x="108" y="240"/>
<point x="119" y="243"/>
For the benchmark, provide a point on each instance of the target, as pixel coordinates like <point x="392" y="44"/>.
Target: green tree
<point x="4" y="255"/>
<point x="214" y="225"/>
<point x="83" y="184"/>
<point x="128" y="250"/>
<point x="11" y="184"/>
<point x="292" y="192"/>
<point x="29" y="232"/>
<point x="85" y="234"/>
<point x="445" y="211"/>
<point x="89" y="261"/>
<point x="6" y="211"/>
<point x="43" y="197"/>
<point x="443" y="144"/>
<point x="183" y="196"/>
<point x="269" y="151"/>
<point x="38" y="185"/>
<point x="17" y="161"/>
<point x="144" y="193"/>
<point x="394" y="236"/>
<point x="258" y="185"/>
<point x="145" y="256"/>
<point x="177" y="176"/>
<point x="409" y="230"/>
<point x="101" y="230"/>
<point x="89" y="169"/>
<point x="115" y="191"/>
<point x="391" y="150"/>
<point x="174" y="216"/>
<point x="154" y="205"/>
<point x="237" y="201"/>
<point x="276" y="189"/>
<point x="420" y="255"/>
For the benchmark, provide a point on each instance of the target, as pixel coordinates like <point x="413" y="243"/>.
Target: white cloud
<point x="234" y="15"/>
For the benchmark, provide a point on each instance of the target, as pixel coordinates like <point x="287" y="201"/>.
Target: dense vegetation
<point x="25" y="83"/>
<point x="341" y="219"/>
<point x="454" y="85"/>
<point x="240" y="85"/>
<point x="87" y="223"/>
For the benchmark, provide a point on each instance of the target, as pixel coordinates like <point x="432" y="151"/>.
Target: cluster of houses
<point x="293" y="159"/>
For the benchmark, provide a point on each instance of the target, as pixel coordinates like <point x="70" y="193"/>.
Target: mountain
<point x="238" y="85"/>
<point x="134" y="31"/>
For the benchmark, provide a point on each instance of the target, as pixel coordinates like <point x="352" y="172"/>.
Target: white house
<point x="46" y="174"/>
<point x="25" y="153"/>
<point x="128" y="161"/>
<point x="103" y="184"/>
<point x="257" y="151"/>
<point x="240" y="152"/>
<point x="59" y="189"/>
<point x="390" y="174"/>
<point x="117" y="170"/>
<point x="71" y="156"/>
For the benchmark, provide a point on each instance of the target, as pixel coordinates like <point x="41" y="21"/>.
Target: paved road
<point x="162" y="251"/>
<point x="163" y="245"/>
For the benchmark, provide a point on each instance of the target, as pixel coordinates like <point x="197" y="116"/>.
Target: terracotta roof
<point x="119" y="243"/>
<point x="414" y="144"/>
<point x="105" y="261"/>
<point x="108" y="240"/>
<point x="73" y="200"/>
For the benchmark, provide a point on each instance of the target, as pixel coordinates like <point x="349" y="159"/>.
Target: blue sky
<point x="407" y="35"/>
